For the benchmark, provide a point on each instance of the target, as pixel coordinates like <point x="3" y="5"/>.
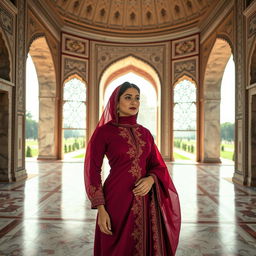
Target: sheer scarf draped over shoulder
<point x="141" y="225"/>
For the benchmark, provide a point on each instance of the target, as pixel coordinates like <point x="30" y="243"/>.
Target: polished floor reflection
<point x="48" y="214"/>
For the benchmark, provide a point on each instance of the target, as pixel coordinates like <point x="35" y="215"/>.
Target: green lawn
<point x="79" y="156"/>
<point x="181" y="157"/>
<point x="227" y="155"/>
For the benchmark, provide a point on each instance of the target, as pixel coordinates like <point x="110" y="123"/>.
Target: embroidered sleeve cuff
<point x="97" y="201"/>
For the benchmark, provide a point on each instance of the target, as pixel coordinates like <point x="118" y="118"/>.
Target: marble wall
<point x="46" y="130"/>
<point x="212" y="138"/>
<point x="252" y="139"/>
<point x="4" y="122"/>
<point x="245" y="168"/>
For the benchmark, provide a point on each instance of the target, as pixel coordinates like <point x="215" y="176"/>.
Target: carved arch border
<point x="133" y="64"/>
<point x="156" y="55"/>
<point x="10" y="54"/>
<point x="251" y="53"/>
<point x="136" y="57"/>
<point x="36" y="29"/>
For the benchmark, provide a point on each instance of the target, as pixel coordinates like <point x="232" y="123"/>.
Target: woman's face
<point x="129" y="102"/>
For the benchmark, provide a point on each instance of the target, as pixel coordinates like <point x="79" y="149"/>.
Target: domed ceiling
<point x="133" y="16"/>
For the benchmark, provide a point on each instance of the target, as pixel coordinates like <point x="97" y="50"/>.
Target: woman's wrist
<point x="152" y="179"/>
<point x="101" y="207"/>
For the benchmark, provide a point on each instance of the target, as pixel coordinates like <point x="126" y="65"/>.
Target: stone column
<point x="18" y="125"/>
<point x="212" y="138"/>
<point x="240" y="129"/>
<point x="47" y="139"/>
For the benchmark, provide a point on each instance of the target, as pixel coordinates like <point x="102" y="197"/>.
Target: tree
<point x="28" y="153"/>
<point x="31" y="127"/>
<point x="227" y="131"/>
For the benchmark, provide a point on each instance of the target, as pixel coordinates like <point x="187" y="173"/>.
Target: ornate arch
<point x="185" y="77"/>
<point x="5" y="64"/>
<point x="227" y="39"/>
<point x="211" y="96"/>
<point x="33" y="38"/>
<point x="131" y="56"/>
<point x="217" y="60"/>
<point x="76" y="72"/>
<point x="133" y="64"/>
<point x="48" y="118"/>
<point x="74" y="75"/>
<point x="252" y="64"/>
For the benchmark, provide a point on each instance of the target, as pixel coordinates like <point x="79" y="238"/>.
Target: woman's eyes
<point x="129" y="98"/>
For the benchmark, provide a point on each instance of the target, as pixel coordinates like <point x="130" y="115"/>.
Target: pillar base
<point x="212" y="160"/>
<point x="238" y="178"/>
<point x="19" y="175"/>
<point x="41" y="157"/>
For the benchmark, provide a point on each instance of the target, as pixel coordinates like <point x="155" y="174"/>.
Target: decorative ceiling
<point x="132" y="16"/>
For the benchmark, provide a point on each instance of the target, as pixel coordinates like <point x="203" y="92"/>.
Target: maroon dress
<point x="141" y="225"/>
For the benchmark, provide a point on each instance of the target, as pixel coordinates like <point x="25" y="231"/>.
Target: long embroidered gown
<point x="141" y="225"/>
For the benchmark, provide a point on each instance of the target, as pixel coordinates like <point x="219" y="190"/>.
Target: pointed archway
<point x="47" y="127"/>
<point x="185" y="120"/>
<point x="136" y="66"/>
<point x="251" y="175"/>
<point x="215" y="67"/>
<point x="5" y="113"/>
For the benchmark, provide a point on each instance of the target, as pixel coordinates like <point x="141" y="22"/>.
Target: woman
<point x="138" y="206"/>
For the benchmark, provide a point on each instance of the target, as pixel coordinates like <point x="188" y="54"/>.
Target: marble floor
<point x="48" y="214"/>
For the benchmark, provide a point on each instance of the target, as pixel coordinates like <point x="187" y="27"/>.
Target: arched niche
<point x="139" y="67"/>
<point x="251" y="175"/>
<point x="252" y="66"/>
<point x="48" y="123"/>
<point x="218" y="58"/>
<point x="185" y="113"/>
<point x="74" y="109"/>
<point x="5" y="60"/>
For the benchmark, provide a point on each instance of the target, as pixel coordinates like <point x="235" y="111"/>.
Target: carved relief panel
<point x="7" y="27"/>
<point x="21" y="60"/>
<point x="185" y="47"/>
<point x="75" y="54"/>
<point x="151" y="54"/>
<point x="75" y="46"/>
<point x="186" y="66"/>
<point x="185" y="54"/>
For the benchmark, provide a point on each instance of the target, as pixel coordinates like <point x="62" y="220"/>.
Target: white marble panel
<point x="47" y="126"/>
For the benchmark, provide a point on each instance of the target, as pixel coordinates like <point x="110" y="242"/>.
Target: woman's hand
<point x="143" y="186"/>
<point x="104" y="220"/>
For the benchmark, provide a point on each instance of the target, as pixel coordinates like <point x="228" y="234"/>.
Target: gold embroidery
<point x="135" y="149"/>
<point x="96" y="194"/>
<point x="155" y="227"/>
<point x="137" y="233"/>
<point x="134" y="152"/>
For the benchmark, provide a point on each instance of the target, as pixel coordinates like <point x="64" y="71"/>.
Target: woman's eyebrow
<point x="131" y="94"/>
